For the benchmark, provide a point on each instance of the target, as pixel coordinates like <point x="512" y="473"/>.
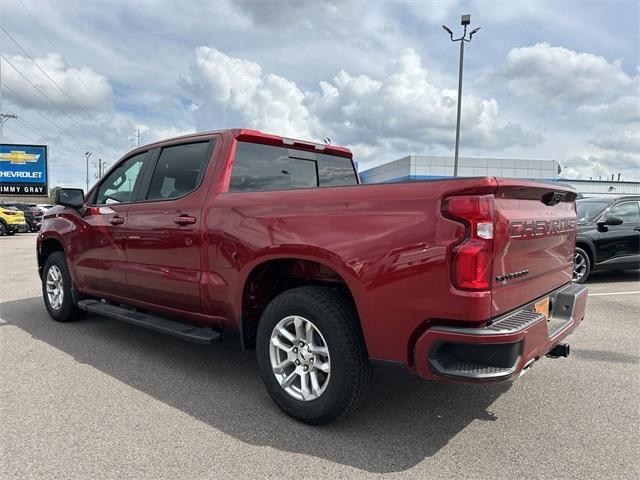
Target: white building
<point x="422" y="167"/>
<point x="603" y="188"/>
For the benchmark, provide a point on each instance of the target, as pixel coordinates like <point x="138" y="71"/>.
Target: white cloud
<point x="343" y="69"/>
<point x="602" y="166"/>
<point x="623" y="110"/>
<point x="589" y="107"/>
<point x="234" y="92"/>
<point x="84" y="88"/>
<point x="558" y="77"/>
<point x="400" y="111"/>
<point x="625" y="141"/>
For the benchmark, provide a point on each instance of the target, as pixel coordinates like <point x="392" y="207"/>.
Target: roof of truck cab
<point x="256" y="136"/>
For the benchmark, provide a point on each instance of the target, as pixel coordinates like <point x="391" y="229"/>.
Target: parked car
<point x="461" y="280"/>
<point x="32" y="215"/>
<point x="11" y="220"/>
<point x="608" y="236"/>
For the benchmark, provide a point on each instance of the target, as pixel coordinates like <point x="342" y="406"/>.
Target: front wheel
<point x="581" y="266"/>
<point x="57" y="290"/>
<point x="311" y="354"/>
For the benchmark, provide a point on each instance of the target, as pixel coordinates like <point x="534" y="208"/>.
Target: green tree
<point x="52" y="194"/>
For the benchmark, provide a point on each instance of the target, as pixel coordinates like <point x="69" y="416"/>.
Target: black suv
<point x="32" y="214"/>
<point x="608" y="235"/>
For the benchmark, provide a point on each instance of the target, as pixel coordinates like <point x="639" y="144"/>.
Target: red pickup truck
<point x="461" y="280"/>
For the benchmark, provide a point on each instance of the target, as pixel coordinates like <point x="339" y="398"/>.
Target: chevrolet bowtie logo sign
<point x="18" y="157"/>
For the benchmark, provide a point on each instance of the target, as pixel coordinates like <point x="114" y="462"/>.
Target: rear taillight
<point x="471" y="259"/>
<point x="9" y="212"/>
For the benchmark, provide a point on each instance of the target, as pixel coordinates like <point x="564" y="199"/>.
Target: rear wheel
<point x="581" y="266"/>
<point x="311" y="354"/>
<point x="57" y="290"/>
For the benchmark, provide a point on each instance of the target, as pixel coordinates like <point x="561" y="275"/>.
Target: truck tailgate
<point x="534" y="241"/>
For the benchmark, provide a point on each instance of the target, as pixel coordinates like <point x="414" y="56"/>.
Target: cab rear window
<point x="259" y="167"/>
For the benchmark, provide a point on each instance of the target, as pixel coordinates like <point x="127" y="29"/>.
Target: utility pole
<point x="136" y="138"/>
<point x="102" y="168"/>
<point x="465" y="21"/>
<point x="86" y="156"/>
<point x="4" y="116"/>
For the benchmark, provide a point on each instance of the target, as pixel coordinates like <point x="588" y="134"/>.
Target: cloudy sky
<point x="550" y="80"/>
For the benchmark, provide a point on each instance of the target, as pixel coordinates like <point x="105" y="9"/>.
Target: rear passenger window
<point x="179" y="170"/>
<point x="258" y="167"/>
<point x="336" y="171"/>
<point x="627" y="211"/>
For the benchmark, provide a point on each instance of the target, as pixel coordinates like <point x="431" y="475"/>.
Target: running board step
<point x="152" y="322"/>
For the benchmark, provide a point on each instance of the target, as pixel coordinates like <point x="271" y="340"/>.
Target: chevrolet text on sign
<point x="23" y="169"/>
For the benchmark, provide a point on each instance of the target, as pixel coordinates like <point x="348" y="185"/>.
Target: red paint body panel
<point x="389" y="243"/>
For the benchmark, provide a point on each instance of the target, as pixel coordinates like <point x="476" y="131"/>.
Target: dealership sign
<point x="23" y="169"/>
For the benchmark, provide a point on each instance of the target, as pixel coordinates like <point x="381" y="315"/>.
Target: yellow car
<point x="11" y="221"/>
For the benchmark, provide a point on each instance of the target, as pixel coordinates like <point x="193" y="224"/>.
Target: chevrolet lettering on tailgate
<point x="540" y="228"/>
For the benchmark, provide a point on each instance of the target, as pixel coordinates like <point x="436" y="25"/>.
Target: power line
<point x="38" y="132"/>
<point x="53" y="82"/>
<point x="32" y="140"/>
<point x="42" y="134"/>
<point x="50" y="79"/>
<point x="39" y="67"/>
<point x="56" y="49"/>
<point x="29" y="139"/>
<point x="46" y="97"/>
<point x="48" y="119"/>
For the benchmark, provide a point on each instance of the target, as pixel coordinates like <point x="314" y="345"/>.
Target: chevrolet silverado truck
<point x="460" y="280"/>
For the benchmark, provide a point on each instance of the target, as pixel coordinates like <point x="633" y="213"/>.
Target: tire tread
<point x="341" y="311"/>
<point x="69" y="311"/>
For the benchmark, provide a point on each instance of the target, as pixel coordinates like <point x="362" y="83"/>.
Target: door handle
<point x="184" y="220"/>
<point x="116" y="220"/>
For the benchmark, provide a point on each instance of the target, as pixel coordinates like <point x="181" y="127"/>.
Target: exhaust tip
<point x="560" y="350"/>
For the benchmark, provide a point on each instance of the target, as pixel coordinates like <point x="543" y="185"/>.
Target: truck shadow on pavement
<point x="404" y="420"/>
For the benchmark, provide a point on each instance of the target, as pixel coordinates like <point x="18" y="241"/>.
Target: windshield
<point x="590" y="210"/>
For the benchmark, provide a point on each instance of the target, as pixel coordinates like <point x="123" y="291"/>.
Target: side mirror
<point x="609" y="221"/>
<point x="70" y="197"/>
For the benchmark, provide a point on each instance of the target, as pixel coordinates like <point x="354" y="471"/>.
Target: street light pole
<point x="86" y="156"/>
<point x="465" y="21"/>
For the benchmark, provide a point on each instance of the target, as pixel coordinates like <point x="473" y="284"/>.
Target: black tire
<point x="7" y="230"/>
<point x="68" y="310"/>
<point x="3" y="229"/>
<point x="336" y="318"/>
<point x="581" y="258"/>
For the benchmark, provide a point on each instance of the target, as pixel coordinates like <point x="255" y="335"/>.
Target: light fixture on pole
<point x="465" y="21"/>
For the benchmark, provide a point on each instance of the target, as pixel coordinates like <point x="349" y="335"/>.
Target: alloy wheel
<point x="55" y="287"/>
<point x="300" y="358"/>
<point x="579" y="266"/>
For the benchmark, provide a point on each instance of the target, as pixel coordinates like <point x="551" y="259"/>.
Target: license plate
<point x="542" y="307"/>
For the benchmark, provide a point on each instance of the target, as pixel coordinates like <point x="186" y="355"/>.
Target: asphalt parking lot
<point x="103" y="399"/>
